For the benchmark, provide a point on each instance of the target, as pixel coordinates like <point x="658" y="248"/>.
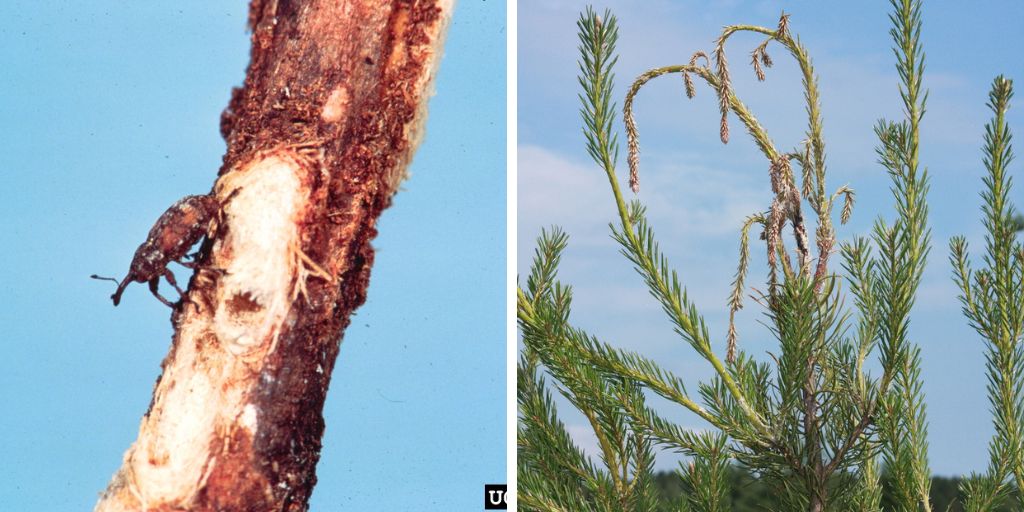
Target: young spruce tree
<point x="814" y="423"/>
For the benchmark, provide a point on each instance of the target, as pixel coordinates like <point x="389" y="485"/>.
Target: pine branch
<point x="904" y="248"/>
<point x="993" y="301"/>
<point x="705" y="478"/>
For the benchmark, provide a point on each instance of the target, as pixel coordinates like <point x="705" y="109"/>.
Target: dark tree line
<point x="749" y="494"/>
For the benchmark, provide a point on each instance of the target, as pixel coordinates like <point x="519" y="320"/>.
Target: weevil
<point x="175" y="232"/>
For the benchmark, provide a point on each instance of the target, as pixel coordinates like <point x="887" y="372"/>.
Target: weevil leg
<point x="170" y="279"/>
<point x="154" y="285"/>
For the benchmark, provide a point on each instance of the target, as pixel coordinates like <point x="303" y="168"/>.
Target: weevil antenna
<point x="121" y="285"/>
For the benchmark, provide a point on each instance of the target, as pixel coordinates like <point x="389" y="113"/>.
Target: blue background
<point x="109" y="112"/>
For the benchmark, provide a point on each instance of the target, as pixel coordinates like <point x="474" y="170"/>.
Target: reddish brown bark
<point x="330" y="114"/>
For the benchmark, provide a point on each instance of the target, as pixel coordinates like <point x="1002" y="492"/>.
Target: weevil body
<point x="175" y="232"/>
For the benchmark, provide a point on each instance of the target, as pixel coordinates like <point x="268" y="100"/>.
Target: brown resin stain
<point x="158" y="460"/>
<point x="234" y="482"/>
<point x="242" y="303"/>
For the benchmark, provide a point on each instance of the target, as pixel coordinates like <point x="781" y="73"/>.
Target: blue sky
<point x="698" y="190"/>
<point x="109" y="112"/>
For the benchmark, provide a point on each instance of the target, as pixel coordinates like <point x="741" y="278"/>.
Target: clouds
<point x="683" y="197"/>
<point x="554" y="189"/>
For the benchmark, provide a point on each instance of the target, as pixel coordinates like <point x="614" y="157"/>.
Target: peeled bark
<point x="318" y="138"/>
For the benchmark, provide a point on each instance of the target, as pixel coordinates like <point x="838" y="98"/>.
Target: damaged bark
<point x="319" y="137"/>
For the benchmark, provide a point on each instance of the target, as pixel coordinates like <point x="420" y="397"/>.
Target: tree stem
<point x="319" y="138"/>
